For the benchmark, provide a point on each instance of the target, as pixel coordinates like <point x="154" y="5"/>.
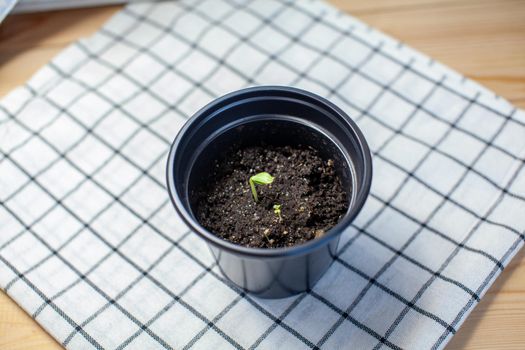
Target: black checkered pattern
<point x="92" y="249"/>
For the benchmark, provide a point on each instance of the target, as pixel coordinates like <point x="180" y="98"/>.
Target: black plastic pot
<point x="280" y="116"/>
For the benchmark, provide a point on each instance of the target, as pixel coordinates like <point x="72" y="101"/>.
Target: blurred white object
<point x="5" y="7"/>
<point x="47" y="5"/>
<point x="23" y="6"/>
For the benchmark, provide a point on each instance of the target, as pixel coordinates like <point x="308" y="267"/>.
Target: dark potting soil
<point x="309" y="191"/>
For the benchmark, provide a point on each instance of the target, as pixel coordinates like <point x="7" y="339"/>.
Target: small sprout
<point x="260" y="179"/>
<point x="277" y="211"/>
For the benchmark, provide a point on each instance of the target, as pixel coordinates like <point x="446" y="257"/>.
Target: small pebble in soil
<point x="310" y="194"/>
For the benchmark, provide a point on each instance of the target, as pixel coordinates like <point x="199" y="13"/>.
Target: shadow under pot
<point x="276" y="246"/>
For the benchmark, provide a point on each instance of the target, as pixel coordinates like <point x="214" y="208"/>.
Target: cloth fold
<point x="92" y="249"/>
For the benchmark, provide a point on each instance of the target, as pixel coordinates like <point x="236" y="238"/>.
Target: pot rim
<point x="304" y="248"/>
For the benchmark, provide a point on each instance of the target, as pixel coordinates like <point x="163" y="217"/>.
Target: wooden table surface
<point x="484" y="40"/>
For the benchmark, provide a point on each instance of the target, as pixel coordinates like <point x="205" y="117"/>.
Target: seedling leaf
<point x="260" y="179"/>
<point x="277" y="211"/>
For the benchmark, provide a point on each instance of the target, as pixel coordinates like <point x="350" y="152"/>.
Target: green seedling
<point x="259" y="179"/>
<point x="277" y="211"/>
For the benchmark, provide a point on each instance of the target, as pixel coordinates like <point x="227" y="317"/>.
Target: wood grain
<point x="485" y="40"/>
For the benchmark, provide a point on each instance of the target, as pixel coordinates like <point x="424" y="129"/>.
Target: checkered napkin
<point x="91" y="247"/>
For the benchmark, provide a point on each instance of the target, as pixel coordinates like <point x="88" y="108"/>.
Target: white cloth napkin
<point x="91" y="247"/>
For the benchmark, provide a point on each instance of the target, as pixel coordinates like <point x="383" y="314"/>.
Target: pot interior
<point x="265" y="130"/>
